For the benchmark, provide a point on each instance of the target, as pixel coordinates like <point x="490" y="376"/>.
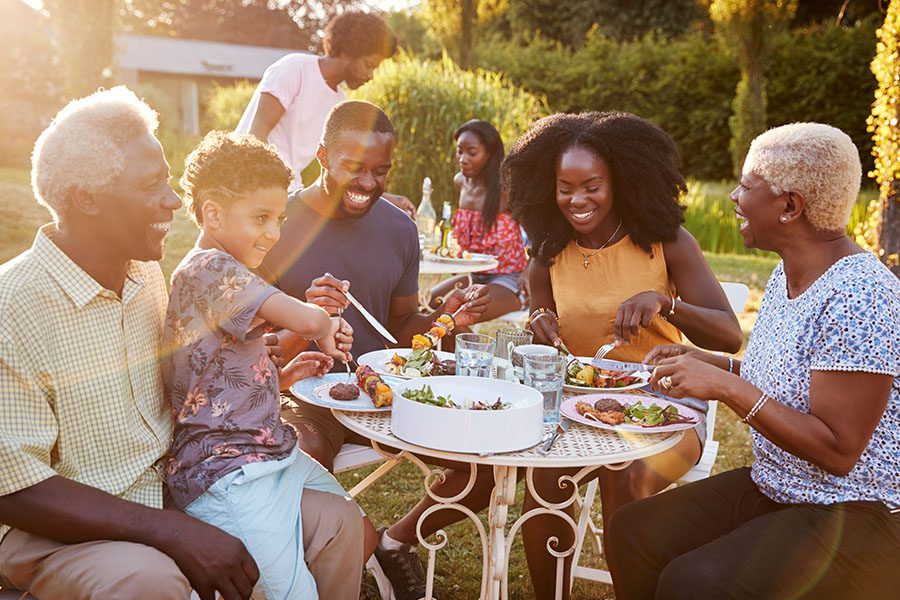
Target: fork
<point x="605" y="349"/>
<point x="346" y="363"/>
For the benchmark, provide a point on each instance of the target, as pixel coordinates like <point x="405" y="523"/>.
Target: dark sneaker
<point x="403" y="569"/>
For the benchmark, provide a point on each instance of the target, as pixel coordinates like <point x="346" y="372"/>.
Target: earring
<point x="783" y="218"/>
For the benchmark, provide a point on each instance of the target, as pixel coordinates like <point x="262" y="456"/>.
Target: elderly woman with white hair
<point x="819" y="387"/>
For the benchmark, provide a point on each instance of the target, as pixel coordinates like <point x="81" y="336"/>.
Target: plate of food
<point x="406" y="363"/>
<point x="366" y="391"/>
<point x="630" y="413"/>
<point x="457" y="257"/>
<point x="582" y="377"/>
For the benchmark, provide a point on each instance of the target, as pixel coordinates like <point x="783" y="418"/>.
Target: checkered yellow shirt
<point x="80" y="387"/>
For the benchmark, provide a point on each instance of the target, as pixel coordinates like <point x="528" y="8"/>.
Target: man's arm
<point x="70" y="512"/>
<point x="268" y="112"/>
<point x="405" y="320"/>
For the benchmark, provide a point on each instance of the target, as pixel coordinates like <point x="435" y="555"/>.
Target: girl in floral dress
<point x="482" y="223"/>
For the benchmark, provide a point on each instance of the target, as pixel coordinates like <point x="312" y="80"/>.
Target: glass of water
<point x="544" y="372"/>
<point x="474" y="354"/>
<point x="508" y="338"/>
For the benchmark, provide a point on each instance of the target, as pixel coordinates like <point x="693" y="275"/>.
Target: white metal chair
<point x="737" y="294"/>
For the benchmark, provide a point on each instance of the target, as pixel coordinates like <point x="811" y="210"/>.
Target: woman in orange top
<point x="598" y="195"/>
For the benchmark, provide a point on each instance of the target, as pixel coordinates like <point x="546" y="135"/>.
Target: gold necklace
<point x="586" y="258"/>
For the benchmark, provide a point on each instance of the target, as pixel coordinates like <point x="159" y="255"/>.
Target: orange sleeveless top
<point x="588" y="298"/>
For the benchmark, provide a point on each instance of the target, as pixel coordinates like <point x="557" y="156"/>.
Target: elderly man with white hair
<point x="819" y="388"/>
<point x="84" y="430"/>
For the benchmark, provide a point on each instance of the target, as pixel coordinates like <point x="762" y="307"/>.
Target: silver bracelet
<point x="671" y="310"/>
<point x="756" y="407"/>
<point x="730" y="365"/>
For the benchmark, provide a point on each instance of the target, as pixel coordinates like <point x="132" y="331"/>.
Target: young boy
<point x="234" y="464"/>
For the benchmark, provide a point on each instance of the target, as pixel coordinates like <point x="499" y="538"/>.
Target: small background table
<point x="431" y="272"/>
<point x="581" y="447"/>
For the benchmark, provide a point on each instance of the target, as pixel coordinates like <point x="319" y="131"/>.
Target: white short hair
<point x="82" y="147"/>
<point x="818" y="161"/>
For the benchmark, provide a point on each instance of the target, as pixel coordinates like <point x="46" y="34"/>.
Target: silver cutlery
<point x="605" y="349"/>
<point x="368" y="317"/>
<point x="561" y="428"/>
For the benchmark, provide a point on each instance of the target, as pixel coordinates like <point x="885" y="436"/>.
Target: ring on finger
<point x="666" y="383"/>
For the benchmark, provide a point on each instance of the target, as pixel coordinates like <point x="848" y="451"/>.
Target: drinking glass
<point x="508" y="338"/>
<point x="474" y="354"/>
<point x="544" y="372"/>
<point x="520" y="352"/>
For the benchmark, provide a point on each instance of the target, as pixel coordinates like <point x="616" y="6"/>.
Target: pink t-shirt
<point x="296" y="82"/>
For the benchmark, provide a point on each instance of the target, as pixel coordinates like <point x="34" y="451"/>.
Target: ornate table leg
<point x="502" y="498"/>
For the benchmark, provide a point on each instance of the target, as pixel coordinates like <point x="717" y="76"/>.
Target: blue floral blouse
<point x="847" y="320"/>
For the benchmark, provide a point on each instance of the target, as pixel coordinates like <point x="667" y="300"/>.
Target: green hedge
<point x="686" y="84"/>
<point x="427" y="101"/>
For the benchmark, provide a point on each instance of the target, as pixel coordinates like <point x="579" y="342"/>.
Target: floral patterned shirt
<point x="219" y="382"/>
<point x="503" y="241"/>
<point x="847" y="320"/>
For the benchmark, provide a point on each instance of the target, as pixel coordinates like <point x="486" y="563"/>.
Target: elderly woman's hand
<point x="672" y="350"/>
<point x="637" y="312"/>
<point x="687" y="375"/>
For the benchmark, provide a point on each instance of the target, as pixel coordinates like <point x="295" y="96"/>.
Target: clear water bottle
<point x="426" y="217"/>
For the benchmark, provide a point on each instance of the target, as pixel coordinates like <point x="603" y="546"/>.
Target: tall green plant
<point x="883" y="123"/>
<point x="749" y="26"/>
<point x="427" y="101"/>
<point x="226" y="104"/>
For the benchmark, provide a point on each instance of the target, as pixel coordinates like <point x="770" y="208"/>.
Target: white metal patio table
<point x="431" y="271"/>
<point x="582" y="447"/>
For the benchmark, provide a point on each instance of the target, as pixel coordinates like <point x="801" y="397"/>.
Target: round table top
<point x="433" y="267"/>
<point x="580" y="446"/>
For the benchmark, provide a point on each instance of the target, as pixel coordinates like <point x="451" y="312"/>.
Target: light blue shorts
<point x="260" y="504"/>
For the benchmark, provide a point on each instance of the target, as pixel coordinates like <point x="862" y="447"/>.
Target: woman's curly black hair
<point x="641" y="157"/>
<point x="493" y="144"/>
<point x="356" y="34"/>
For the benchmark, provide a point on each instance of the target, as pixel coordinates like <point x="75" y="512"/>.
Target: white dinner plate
<point x="314" y="390"/>
<point x="474" y="259"/>
<point x="567" y="409"/>
<point x="579" y="389"/>
<point x="378" y="359"/>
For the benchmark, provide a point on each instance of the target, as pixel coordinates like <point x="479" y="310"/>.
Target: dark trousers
<point x="722" y="538"/>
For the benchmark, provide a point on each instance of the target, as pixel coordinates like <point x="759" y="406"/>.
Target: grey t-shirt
<point x="377" y="253"/>
<point x="219" y="381"/>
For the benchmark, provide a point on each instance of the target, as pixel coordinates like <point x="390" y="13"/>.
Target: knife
<point x="561" y="428"/>
<point x="372" y="320"/>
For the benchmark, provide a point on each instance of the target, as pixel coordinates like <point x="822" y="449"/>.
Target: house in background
<point x="185" y="70"/>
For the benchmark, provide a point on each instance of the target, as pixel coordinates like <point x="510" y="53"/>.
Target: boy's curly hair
<point x="230" y="165"/>
<point x="641" y="157"/>
<point x="356" y="34"/>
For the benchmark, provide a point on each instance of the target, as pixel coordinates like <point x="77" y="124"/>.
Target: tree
<point x="84" y="47"/>
<point x="569" y="22"/>
<point x="749" y="26"/>
<point x="884" y="123"/>
<point x="454" y="23"/>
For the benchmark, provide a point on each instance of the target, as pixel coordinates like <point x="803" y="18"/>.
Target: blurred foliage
<point x="31" y="92"/>
<point x="427" y="100"/>
<point x="569" y="22"/>
<point x="443" y="19"/>
<point x="82" y="33"/>
<point x="884" y="124"/>
<point x="226" y="103"/>
<point x="176" y="143"/>
<point x="686" y="84"/>
<point x="749" y="28"/>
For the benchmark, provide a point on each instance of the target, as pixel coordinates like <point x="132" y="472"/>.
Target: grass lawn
<point x="458" y="570"/>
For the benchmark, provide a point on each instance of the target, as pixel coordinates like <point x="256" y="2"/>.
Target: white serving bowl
<point x="463" y="430"/>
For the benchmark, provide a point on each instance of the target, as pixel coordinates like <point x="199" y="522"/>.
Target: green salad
<point x="426" y="395"/>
